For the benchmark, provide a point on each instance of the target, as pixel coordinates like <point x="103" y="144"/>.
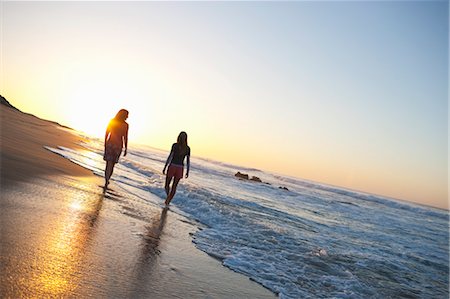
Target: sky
<point x="352" y="94"/>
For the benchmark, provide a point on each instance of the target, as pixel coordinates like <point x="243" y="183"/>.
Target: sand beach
<point x="62" y="236"/>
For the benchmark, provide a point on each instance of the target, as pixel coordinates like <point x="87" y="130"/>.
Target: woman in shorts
<point x="116" y="138"/>
<point x="179" y="151"/>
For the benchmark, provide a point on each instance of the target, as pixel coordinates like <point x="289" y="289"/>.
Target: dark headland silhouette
<point x="5" y="102"/>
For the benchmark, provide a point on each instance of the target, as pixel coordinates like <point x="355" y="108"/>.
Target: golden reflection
<point x="76" y="205"/>
<point x="57" y="268"/>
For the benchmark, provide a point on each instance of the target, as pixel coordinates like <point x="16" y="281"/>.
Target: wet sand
<point x="62" y="236"/>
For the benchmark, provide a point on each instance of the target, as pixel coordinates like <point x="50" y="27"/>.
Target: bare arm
<point x="108" y="131"/>
<point x="125" y="140"/>
<point x="188" y="164"/>
<point x="168" y="160"/>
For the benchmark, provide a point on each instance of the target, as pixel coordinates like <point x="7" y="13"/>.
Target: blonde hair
<point x="122" y="115"/>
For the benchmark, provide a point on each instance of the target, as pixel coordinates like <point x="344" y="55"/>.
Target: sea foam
<point x="310" y="241"/>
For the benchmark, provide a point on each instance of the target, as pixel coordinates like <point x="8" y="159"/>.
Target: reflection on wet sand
<point x="57" y="266"/>
<point x="148" y="253"/>
<point x="152" y="236"/>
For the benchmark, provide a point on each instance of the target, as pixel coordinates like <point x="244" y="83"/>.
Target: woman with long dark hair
<point x="116" y="138"/>
<point x="179" y="151"/>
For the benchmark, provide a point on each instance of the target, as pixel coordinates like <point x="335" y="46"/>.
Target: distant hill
<point x="5" y="102"/>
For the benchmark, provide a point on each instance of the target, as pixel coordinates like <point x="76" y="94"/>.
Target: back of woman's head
<point x="122" y="115"/>
<point x="182" y="141"/>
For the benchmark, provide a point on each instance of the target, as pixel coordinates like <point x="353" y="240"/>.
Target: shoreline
<point x="62" y="236"/>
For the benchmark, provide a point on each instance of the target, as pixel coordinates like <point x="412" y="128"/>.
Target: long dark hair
<point x="122" y="115"/>
<point x="182" y="142"/>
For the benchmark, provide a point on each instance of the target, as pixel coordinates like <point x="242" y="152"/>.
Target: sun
<point x="90" y="108"/>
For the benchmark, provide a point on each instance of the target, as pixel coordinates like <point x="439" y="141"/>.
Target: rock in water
<point x="241" y="175"/>
<point x="256" y="179"/>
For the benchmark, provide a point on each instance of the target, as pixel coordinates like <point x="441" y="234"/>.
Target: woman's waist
<point x="113" y="144"/>
<point x="176" y="165"/>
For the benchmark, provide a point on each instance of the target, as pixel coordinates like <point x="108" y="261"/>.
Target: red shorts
<point x="112" y="152"/>
<point x="175" y="171"/>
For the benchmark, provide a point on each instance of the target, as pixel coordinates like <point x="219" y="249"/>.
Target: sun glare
<point x="95" y="103"/>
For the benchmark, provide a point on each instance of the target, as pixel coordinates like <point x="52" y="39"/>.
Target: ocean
<point x="298" y="238"/>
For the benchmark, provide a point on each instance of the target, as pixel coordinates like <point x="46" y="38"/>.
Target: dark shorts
<point x="175" y="171"/>
<point x="112" y="152"/>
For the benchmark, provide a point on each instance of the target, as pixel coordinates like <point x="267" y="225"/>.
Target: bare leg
<point x="172" y="191"/>
<point x="108" y="171"/>
<point x="167" y="185"/>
